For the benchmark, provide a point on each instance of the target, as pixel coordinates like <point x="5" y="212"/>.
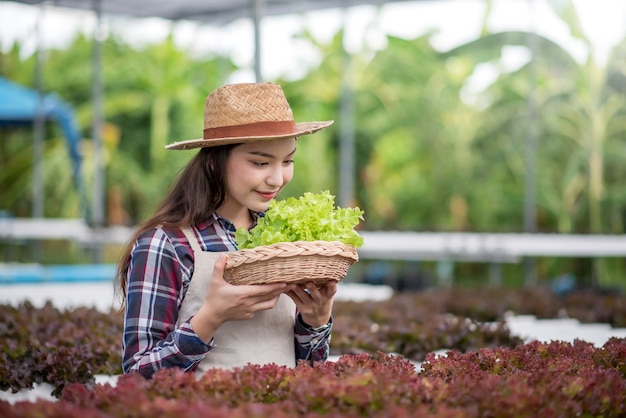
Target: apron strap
<point x="191" y="237"/>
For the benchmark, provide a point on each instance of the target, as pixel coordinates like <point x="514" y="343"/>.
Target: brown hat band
<point x="256" y="129"/>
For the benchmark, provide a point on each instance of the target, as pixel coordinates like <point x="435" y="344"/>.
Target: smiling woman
<point x="179" y="310"/>
<point x="264" y="168"/>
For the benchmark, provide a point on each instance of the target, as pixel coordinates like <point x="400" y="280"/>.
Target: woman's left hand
<point x="314" y="303"/>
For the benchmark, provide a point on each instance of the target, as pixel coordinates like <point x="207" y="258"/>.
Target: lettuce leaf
<point x="310" y="217"/>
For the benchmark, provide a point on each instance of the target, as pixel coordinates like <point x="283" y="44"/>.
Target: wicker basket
<point x="290" y="262"/>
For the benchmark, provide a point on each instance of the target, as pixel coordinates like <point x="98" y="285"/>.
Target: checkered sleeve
<point x="151" y="339"/>
<point x="310" y="344"/>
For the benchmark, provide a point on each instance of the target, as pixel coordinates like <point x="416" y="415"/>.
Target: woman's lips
<point x="267" y="195"/>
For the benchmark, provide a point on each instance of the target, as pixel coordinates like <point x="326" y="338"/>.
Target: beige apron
<point x="266" y="338"/>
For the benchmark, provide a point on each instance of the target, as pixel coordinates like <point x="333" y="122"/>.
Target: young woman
<point x="179" y="311"/>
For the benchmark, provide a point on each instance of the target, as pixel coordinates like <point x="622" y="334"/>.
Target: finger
<point x="299" y="297"/>
<point x="220" y="263"/>
<point x="290" y="287"/>
<point x="330" y="289"/>
<point x="296" y="299"/>
<point x="303" y="292"/>
<point x="266" y="304"/>
<point x="266" y="289"/>
<point x="311" y="289"/>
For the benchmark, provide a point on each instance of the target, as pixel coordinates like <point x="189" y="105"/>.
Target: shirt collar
<point x="215" y="217"/>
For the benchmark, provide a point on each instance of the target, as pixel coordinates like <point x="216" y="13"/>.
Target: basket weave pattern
<point x="290" y="262"/>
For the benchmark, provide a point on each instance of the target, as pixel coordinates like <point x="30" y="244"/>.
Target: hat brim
<point x="302" y="128"/>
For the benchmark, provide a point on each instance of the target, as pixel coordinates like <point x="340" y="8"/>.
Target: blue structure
<point x="19" y="106"/>
<point x="15" y="274"/>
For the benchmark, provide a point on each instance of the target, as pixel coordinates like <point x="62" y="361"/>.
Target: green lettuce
<point x="310" y="217"/>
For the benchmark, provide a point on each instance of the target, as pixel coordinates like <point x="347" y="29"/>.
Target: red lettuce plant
<point x="537" y="379"/>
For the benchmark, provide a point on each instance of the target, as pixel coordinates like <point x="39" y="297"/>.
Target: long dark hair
<point x="197" y="193"/>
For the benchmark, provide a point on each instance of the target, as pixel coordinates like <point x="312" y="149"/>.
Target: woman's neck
<point x="240" y="218"/>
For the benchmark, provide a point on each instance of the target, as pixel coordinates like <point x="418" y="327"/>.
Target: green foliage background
<point x="430" y="156"/>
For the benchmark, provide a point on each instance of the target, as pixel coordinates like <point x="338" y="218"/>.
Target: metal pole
<point x="530" y="154"/>
<point x="98" y="185"/>
<point x="346" y="128"/>
<point x="258" y="10"/>
<point x="38" y="127"/>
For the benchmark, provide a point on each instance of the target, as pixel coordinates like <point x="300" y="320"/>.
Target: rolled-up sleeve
<point x="151" y="339"/>
<point x="311" y="345"/>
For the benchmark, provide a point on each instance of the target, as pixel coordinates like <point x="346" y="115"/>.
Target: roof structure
<point x="209" y="11"/>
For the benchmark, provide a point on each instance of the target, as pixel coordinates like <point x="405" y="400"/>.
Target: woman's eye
<point x="259" y="163"/>
<point x="288" y="162"/>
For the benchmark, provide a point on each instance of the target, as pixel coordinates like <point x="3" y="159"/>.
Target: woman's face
<point x="255" y="173"/>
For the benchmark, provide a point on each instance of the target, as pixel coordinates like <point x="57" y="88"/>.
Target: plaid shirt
<point x="160" y="270"/>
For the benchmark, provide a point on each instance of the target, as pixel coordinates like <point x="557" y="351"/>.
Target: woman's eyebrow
<point x="261" y="154"/>
<point x="268" y="155"/>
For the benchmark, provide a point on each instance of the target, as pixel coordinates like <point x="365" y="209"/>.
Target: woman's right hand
<point x="227" y="302"/>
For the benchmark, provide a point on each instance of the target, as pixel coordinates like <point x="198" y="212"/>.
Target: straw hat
<point x="247" y="112"/>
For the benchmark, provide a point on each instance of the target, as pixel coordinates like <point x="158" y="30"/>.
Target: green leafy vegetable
<point x="310" y="217"/>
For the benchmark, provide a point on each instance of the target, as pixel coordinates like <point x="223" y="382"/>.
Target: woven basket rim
<point x="286" y="249"/>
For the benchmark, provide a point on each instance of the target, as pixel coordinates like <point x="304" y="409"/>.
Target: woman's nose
<point x="275" y="177"/>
